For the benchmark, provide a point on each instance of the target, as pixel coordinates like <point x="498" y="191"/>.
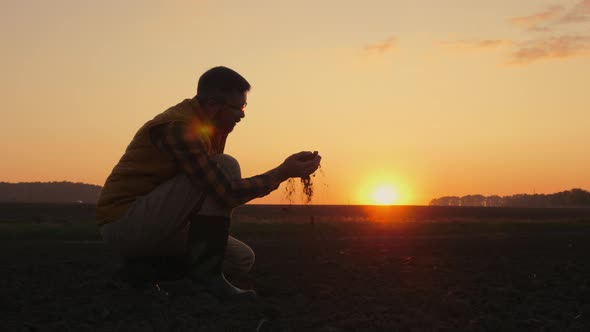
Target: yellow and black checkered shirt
<point x="194" y="159"/>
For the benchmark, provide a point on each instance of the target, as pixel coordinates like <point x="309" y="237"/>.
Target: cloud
<point x="553" y="45"/>
<point x="550" y="49"/>
<point x="382" y="47"/>
<point x="578" y="14"/>
<point x="533" y="21"/>
<point x="554" y="15"/>
<point x="547" y="37"/>
<point x="477" y="44"/>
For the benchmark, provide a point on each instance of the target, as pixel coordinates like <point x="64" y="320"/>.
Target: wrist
<point x="281" y="173"/>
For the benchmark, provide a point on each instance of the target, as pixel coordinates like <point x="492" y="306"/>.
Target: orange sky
<point x="429" y="97"/>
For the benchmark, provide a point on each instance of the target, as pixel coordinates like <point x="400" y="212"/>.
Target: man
<point x="166" y="206"/>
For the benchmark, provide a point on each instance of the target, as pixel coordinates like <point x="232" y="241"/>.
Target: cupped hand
<point x="301" y="164"/>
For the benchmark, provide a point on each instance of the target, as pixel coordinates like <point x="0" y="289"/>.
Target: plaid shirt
<point x="194" y="159"/>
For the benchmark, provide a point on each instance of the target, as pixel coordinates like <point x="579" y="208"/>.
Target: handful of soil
<point x="309" y="157"/>
<point x="305" y="182"/>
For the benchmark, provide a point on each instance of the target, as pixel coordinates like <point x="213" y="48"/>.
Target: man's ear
<point x="212" y="107"/>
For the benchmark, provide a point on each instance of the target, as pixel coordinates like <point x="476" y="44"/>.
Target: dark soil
<point x="366" y="277"/>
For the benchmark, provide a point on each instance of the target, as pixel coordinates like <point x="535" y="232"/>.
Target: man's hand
<point x="300" y="164"/>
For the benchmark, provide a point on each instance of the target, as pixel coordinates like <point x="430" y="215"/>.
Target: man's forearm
<point x="245" y="190"/>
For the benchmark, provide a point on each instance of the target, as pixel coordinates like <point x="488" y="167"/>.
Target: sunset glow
<point x="428" y="98"/>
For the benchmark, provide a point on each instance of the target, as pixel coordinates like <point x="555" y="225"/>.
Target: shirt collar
<point x="199" y="111"/>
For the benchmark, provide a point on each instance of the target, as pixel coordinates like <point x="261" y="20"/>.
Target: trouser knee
<point x="239" y="257"/>
<point x="231" y="168"/>
<point x="229" y="165"/>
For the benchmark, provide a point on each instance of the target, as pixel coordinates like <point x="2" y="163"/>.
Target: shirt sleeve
<point x="191" y="155"/>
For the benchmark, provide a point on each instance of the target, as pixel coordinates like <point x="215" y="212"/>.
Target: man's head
<point x="222" y="93"/>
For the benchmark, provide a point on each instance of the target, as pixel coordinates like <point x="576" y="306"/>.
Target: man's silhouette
<point x="166" y="206"/>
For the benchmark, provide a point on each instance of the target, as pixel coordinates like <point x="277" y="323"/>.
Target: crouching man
<point x="167" y="204"/>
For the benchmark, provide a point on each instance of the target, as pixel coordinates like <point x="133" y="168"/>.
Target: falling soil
<point x="307" y="189"/>
<point x="306" y="184"/>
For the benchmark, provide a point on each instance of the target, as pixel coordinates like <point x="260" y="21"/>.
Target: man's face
<point x="227" y="114"/>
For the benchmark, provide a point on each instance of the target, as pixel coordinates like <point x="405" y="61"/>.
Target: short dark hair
<point x="219" y="82"/>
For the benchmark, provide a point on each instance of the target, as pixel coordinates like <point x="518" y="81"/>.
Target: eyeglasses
<point x="241" y="108"/>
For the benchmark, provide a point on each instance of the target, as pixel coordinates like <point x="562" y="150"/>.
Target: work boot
<point x="207" y="244"/>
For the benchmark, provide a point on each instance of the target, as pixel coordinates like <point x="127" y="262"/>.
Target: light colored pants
<point x="156" y="224"/>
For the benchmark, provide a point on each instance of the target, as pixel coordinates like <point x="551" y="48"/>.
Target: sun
<point x="383" y="187"/>
<point x="384" y="195"/>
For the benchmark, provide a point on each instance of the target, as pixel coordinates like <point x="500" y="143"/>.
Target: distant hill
<point x="49" y="192"/>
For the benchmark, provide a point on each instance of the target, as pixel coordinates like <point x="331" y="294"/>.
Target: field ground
<point x="451" y="275"/>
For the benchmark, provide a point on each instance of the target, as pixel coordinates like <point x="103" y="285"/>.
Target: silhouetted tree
<point x="473" y="200"/>
<point x="569" y="198"/>
<point x="494" y="200"/>
<point x="579" y="197"/>
<point x="446" y="201"/>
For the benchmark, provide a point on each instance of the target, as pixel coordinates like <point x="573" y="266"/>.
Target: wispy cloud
<point x="550" y="48"/>
<point x="579" y="13"/>
<point x="477" y="44"/>
<point x="383" y="47"/>
<point x="554" y="15"/>
<point x="554" y="45"/>
<point x="556" y="33"/>
<point x="534" y="20"/>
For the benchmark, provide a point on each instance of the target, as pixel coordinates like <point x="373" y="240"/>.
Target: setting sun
<point x="383" y="187"/>
<point x="384" y="195"/>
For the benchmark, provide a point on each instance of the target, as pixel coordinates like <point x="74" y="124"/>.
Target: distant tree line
<point x="569" y="198"/>
<point x="49" y="192"/>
